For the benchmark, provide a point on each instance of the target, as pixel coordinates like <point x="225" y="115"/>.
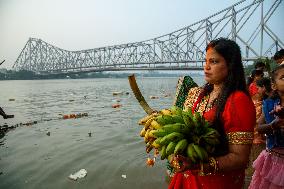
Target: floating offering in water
<point x="123" y="176"/>
<point x="154" y="97"/>
<point x="117" y="93"/>
<point x="150" y="162"/>
<point x="116" y="105"/>
<point x="73" y="116"/>
<point x="11" y="99"/>
<point x="79" y="174"/>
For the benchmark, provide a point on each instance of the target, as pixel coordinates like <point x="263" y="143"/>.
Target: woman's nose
<point x="206" y="66"/>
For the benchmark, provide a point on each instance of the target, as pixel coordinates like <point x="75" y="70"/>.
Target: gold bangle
<point x="214" y="164"/>
<point x="213" y="167"/>
<point x="217" y="166"/>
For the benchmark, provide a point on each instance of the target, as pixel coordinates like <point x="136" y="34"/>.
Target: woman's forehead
<point x="211" y="52"/>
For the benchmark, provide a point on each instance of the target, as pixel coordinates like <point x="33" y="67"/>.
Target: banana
<point x="170" y="157"/>
<point x="170" y="148"/>
<point x="196" y="120"/>
<point x="146" y="118"/>
<point x="176" y="127"/>
<point x="175" y="136"/>
<point x="191" y="153"/>
<point x="150" y="134"/>
<point x="211" y="140"/>
<point x="163" y="153"/>
<point x="201" y="153"/>
<point x="211" y="132"/>
<point x="177" y="119"/>
<point x="161" y="120"/>
<point x="168" y="119"/>
<point x="149" y="143"/>
<point x="160" y="132"/>
<point x="147" y="137"/>
<point x="143" y="132"/>
<point x="166" y="112"/>
<point x="171" y="130"/>
<point x="180" y="147"/>
<point x="156" y="143"/>
<point x="149" y="148"/>
<point x="155" y="125"/>
<point x="148" y="123"/>
<point x="187" y="118"/>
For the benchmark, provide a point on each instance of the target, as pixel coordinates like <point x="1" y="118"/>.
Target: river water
<point x="31" y="158"/>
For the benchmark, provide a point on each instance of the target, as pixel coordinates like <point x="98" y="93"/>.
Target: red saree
<point x="239" y="120"/>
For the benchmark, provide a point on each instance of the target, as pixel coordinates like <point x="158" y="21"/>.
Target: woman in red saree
<point x="224" y="101"/>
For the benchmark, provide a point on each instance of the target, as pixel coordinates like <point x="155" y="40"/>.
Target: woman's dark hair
<point x="235" y="81"/>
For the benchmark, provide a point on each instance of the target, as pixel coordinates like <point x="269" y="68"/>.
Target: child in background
<point x="269" y="166"/>
<point x="252" y="88"/>
<point x="264" y="88"/>
<point x="264" y="92"/>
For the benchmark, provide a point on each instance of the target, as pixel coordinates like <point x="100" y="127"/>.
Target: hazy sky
<point x="86" y="24"/>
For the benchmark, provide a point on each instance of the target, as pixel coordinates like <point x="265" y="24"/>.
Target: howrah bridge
<point x="246" y="22"/>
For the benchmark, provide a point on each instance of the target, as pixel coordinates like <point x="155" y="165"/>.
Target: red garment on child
<point x="253" y="90"/>
<point x="239" y="120"/>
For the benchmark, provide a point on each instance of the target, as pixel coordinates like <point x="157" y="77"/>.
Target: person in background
<point x="258" y="139"/>
<point x="279" y="57"/>
<point x="264" y="91"/>
<point x="264" y="88"/>
<point x="253" y="91"/>
<point x="4" y="115"/>
<point x="225" y="103"/>
<point x="269" y="166"/>
<point x="259" y="65"/>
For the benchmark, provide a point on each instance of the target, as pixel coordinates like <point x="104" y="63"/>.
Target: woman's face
<point x="215" y="68"/>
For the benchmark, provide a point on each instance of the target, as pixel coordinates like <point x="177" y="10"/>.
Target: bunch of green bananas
<point x="174" y="131"/>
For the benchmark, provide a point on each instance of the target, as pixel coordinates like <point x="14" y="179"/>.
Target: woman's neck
<point x="215" y="92"/>
<point x="217" y="88"/>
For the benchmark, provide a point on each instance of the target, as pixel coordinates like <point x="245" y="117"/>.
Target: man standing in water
<point x="2" y="113"/>
<point x="5" y="116"/>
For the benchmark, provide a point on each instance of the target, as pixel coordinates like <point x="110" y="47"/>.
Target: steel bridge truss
<point x="245" y="22"/>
